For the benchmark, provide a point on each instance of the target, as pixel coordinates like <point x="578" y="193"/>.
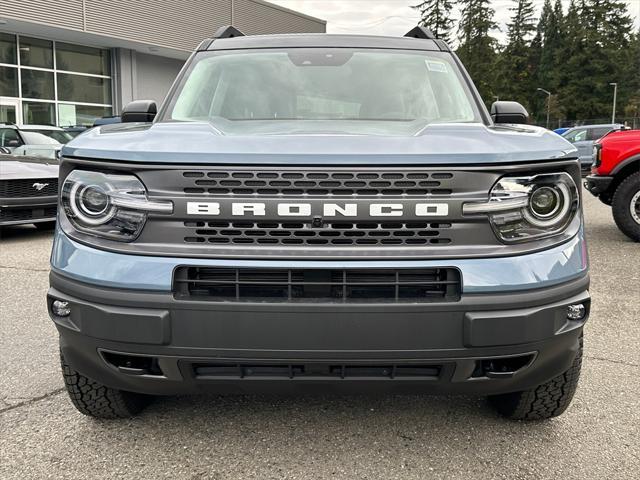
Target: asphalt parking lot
<point x="388" y="437"/>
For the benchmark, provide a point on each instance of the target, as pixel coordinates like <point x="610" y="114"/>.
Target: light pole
<point x="615" y="94"/>
<point x="548" y="102"/>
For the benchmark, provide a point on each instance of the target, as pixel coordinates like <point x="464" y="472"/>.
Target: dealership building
<point x="69" y="62"/>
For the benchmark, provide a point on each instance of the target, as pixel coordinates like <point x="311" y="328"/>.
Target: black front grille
<point x="316" y="285"/>
<point x="34" y="213"/>
<point x="329" y="234"/>
<point x="335" y="183"/>
<point x="23" y="188"/>
<point x="337" y="371"/>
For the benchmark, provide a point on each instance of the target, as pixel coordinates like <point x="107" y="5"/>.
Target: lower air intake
<point x="205" y="371"/>
<point x="317" y="285"/>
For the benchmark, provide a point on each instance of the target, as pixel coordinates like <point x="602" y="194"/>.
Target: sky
<point x="395" y="17"/>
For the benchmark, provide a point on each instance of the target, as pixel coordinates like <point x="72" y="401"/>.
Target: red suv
<point x="615" y="178"/>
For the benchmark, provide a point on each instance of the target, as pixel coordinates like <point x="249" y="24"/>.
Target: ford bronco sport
<point x="320" y="212"/>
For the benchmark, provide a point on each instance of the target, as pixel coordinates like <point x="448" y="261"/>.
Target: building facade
<point x="69" y="62"/>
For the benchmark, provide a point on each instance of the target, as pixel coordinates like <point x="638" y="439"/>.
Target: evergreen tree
<point x="631" y="109"/>
<point x="571" y="74"/>
<point x="545" y="59"/>
<point x="436" y="16"/>
<point x="598" y="52"/>
<point x="515" y="64"/>
<point x="477" y="48"/>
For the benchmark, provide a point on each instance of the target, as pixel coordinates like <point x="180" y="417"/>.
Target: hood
<point x="27" y="168"/>
<point x="186" y="142"/>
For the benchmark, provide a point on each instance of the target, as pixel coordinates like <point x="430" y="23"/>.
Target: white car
<point x="19" y="141"/>
<point x="56" y="133"/>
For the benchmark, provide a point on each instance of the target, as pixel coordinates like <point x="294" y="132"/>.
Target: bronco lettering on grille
<point x="259" y="209"/>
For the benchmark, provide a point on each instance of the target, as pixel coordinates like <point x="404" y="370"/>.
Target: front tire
<point x="544" y="401"/>
<point x="626" y="206"/>
<point x="99" y="401"/>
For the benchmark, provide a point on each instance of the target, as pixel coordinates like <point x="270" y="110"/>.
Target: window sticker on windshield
<point x="436" y="66"/>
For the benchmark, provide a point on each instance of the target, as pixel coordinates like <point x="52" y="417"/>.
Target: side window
<point x="8" y="135"/>
<point x="598" y="133"/>
<point x="577" y="136"/>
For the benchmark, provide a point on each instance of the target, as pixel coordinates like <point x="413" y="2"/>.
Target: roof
<point x="600" y="125"/>
<point x="322" y="40"/>
<point x="40" y="127"/>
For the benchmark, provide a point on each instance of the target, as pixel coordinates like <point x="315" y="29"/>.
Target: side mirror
<point x="139" y="111"/>
<point x="509" y="112"/>
<point x="13" y="143"/>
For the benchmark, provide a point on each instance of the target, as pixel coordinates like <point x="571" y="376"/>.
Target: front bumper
<point x="597" y="184"/>
<point x="18" y="211"/>
<point x="194" y="346"/>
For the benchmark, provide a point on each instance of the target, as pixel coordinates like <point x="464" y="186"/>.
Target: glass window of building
<point x="78" y="58"/>
<point x="8" y="48"/>
<point x="38" y="113"/>
<point x="70" y="115"/>
<point x="36" y="53"/>
<point x="8" y="82"/>
<point x="37" y="84"/>
<point x="53" y="83"/>
<point x="80" y="88"/>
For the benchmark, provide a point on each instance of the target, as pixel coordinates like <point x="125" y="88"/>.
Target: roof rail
<point x="420" y="32"/>
<point x="228" y="31"/>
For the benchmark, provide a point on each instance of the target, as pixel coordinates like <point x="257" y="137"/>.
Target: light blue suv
<point x="315" y="213"/>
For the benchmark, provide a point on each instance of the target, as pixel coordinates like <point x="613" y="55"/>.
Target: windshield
<point x="343" y="90"/>
<point x="57" y="135"/>
<point x="35" y="138"/>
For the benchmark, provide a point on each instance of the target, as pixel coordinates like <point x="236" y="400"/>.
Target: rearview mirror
<point x="13" y="143"/>
<point x="139" y="111"/>
<point x="509" y="112"/>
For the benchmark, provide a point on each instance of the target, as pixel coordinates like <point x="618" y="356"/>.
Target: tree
<point x="515" y="63"/>
<point x="631" y="108"/>
<point x="436" y="16"/>
<point x="573" y="53"/>
<point x="545" y="60"/>
<point x="477" y="49"/>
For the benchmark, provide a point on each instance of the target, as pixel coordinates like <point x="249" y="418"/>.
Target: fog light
<point x="60" y="308"/>
<point x="576" y="312"/>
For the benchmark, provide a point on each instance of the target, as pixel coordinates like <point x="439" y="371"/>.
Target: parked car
<point x="76" y="130"/>
<point x="28" y="142"/>
<point x="583" y="138"/>
<point x="28" y="190"/>
<point x="106" y="120"/>
<point x="333" y="211"/>
<point x="56" y="133"/>
<point x="615" y="178"/>
<point x="13" y="136"/>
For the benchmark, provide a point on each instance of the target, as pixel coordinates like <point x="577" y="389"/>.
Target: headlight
<point x="597" y="155"/>
<point x="529" y="208"/>
<point x="108" y="205"/>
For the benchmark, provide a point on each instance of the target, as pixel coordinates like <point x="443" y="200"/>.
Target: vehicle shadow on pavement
<point x="233" y="436"/>
<point x="23" y="232"/>
<point x="322" y="414"/>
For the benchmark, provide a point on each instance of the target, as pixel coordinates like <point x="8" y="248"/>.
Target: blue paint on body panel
<point x="137" y="272"/>
<point x="436" y="144"/>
